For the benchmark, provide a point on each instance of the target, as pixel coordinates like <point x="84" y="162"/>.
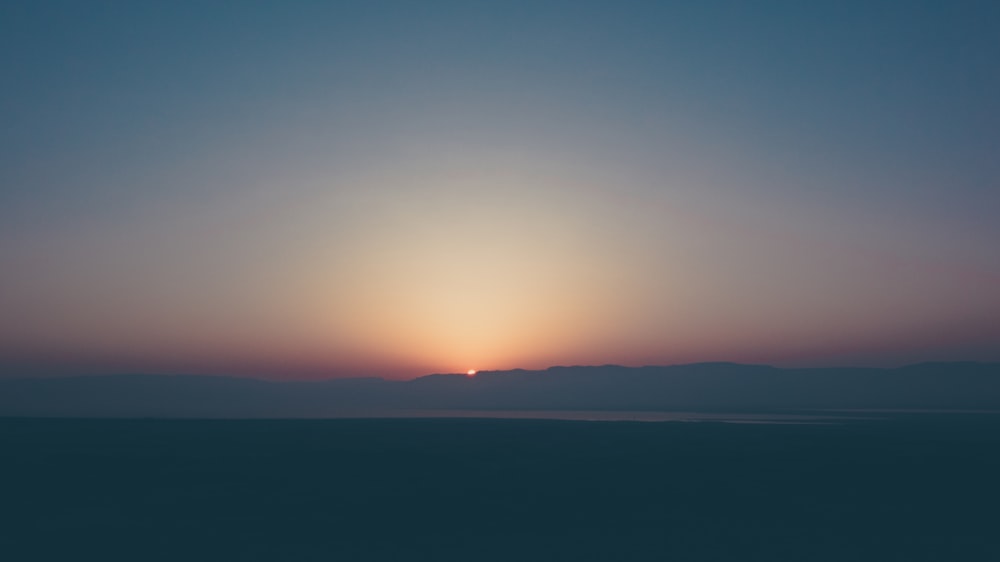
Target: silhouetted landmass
<point x="700" y="387"/>
<point x="906" y="488"/>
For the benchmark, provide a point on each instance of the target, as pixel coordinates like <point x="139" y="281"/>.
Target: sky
<point x="301" y="190"/>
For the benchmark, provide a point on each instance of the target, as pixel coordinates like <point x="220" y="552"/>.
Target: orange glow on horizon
<point x="526" y="270"/>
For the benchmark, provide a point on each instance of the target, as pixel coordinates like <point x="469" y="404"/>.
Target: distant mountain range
<point x="699" y="387"/>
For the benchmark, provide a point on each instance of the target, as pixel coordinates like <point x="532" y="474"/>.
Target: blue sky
<point x="292" y="188"/>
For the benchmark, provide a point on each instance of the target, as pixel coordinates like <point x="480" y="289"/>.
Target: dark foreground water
<point x="902" y="487"/>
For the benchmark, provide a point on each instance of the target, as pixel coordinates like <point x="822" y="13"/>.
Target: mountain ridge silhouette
<point x="704" y="387"/>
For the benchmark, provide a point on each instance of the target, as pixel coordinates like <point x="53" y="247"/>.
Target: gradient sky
<point x="313" y="189"/>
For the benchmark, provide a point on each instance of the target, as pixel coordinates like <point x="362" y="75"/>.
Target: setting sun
<point x="471" y="372"/>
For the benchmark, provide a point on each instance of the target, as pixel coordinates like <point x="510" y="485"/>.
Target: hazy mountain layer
<point x="725" y="387"/>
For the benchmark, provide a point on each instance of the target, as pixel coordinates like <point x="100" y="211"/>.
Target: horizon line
<point x="276" y="378"/>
